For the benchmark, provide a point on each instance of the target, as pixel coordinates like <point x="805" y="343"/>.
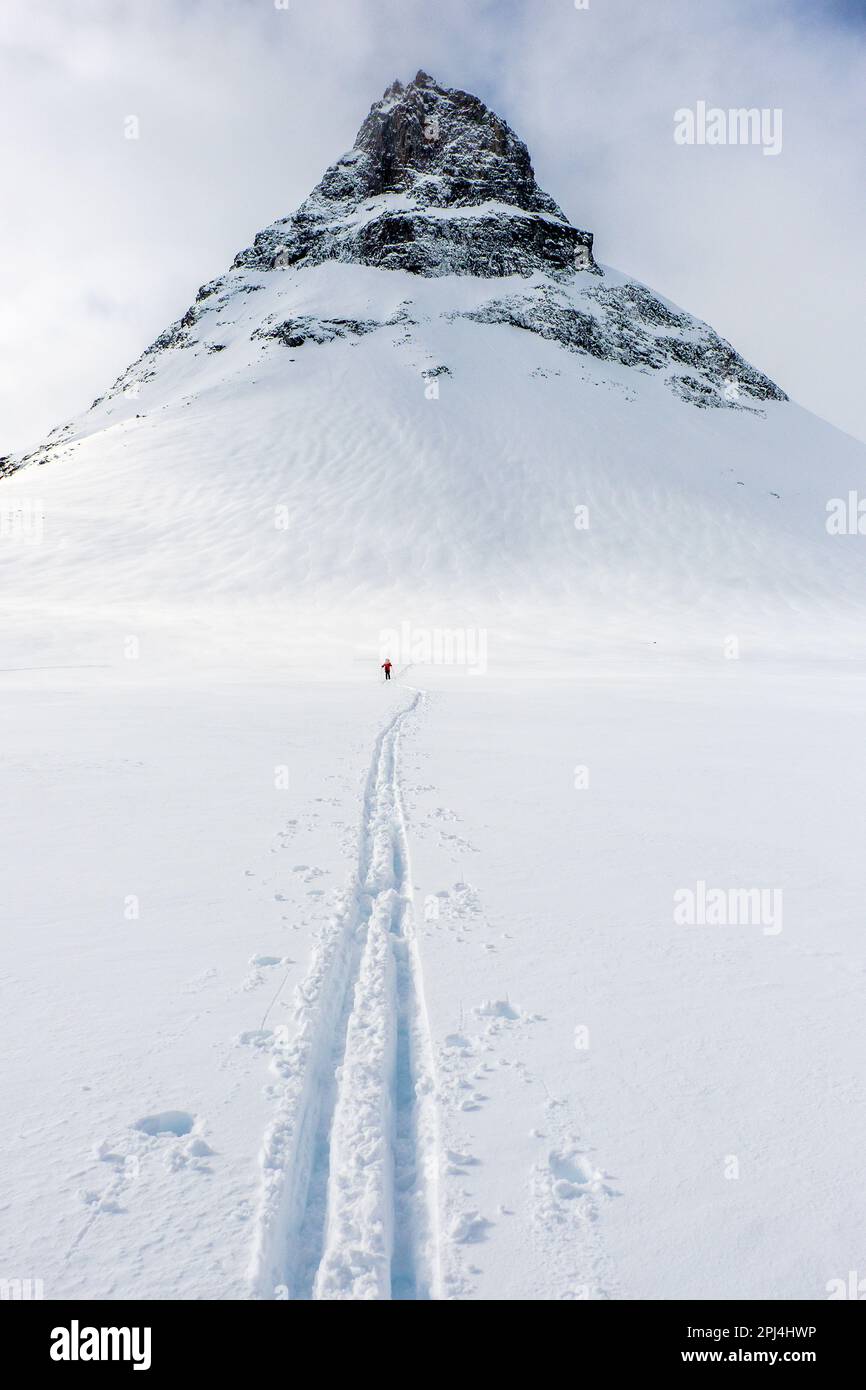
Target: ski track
<point x="349" y="1205"/>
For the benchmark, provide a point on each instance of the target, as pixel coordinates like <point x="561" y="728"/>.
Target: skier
<point x="386" y="667"/>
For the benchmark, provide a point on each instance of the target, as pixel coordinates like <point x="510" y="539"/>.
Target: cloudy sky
<point x="241" y="104"/>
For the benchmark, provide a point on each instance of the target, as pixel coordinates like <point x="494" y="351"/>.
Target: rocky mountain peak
<point x="447" y="149"/>
<point x="436" y="184"/>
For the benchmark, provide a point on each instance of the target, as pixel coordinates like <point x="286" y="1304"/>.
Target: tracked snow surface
<point x="320" y="988"/>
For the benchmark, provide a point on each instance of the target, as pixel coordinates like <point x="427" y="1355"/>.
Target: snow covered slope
<point x="315" y="987"/>
<point x="421" y="399"/>
<point x="624" y="1107"/>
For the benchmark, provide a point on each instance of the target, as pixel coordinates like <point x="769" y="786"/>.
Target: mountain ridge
<point x="425" y="150"/>
<point x="439" y="186"/>
<point x="332" y="449"/>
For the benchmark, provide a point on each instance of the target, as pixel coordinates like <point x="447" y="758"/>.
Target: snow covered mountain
<point x="421" y="397"/>
<point x="321" y="988"/>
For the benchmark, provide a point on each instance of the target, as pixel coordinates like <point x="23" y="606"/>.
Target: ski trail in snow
<point x="349" y="1204"/>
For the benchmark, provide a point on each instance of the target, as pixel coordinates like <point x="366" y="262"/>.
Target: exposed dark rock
<point x="210" y="288"/>
<point x="636" y="301"/>
<point x="173" y="336"/>
<point x="694" y="390"/>
<point x="624" y="332"/>
<point x="305" y="329"/>
<point x="436" y="184"/>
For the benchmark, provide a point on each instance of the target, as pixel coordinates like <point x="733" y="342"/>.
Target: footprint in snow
<point x="178" y="1137"/>
<point x="447" y="841"/>
<point x="460" y="1159"/>
<point x="177" y="1122"/>
<point x="469" y="1228"/>
<point x="496" y="1008"/>
<point x="259" y="964"/>
<point x="174" y="1135"/>
<point x="569" y="1184"/>
<point x="308" y="872"/>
